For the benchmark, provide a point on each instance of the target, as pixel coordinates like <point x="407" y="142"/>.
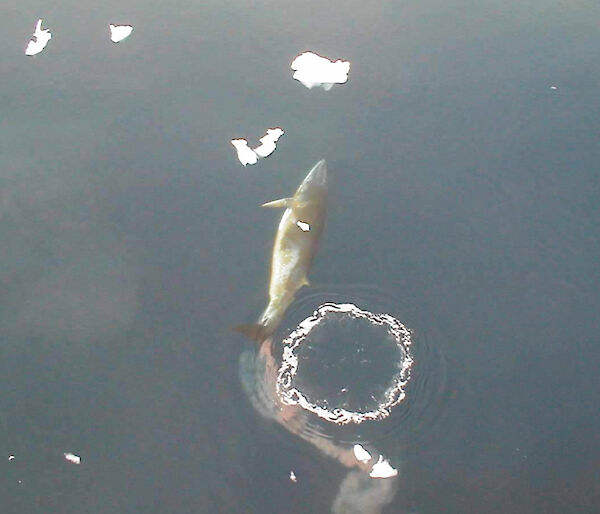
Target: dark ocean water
<point x="464" y="190"/>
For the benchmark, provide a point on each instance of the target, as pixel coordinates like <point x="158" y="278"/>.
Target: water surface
<point x="462" y="156"/>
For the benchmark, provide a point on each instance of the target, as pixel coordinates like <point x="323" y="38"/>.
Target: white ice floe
<point x="361" y="454"/>
<point x="302" y="225"/>
<point x="71" y="457"/>
<point x="247" y="155"/>
<point x="313" y="70"/>
<point x="293" y="477"/>
<point x="382" y="469"/>
<point x="41" y="36"/>
<point x="11" y="457"/>
<point x="119" y="32"/>
<point x="267" y="146"/>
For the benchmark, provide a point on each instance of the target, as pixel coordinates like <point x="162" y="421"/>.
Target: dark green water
<point x="463" y="166"/>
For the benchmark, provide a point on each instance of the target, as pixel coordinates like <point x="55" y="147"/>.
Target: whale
<point x="296" y="242"/>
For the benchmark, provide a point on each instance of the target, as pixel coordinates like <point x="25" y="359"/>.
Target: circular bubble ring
<point x="393" y="395"/>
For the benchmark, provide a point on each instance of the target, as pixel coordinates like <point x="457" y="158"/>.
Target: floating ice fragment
<point x="313" y="70"/>
<point x="11" y="457"/>
<point x="267" y="146"/>
<point x="554" y="88"/>
<point x="245" y="154"/>
<point x="71" y="457"/>
<point x="293" y="477"/>
<point x="42" y="36"/>
<point x="383" y="469"/>
<point x="361" y="454"/>
<point x="305" y="227"/>
<point x="119" y="32"/>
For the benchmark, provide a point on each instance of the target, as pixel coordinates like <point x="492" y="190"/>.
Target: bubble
<point x="346" y="364"/>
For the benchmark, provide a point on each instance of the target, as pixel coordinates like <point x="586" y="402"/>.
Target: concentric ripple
<point x="344" y="367"/>
<point x="342" y="348"/>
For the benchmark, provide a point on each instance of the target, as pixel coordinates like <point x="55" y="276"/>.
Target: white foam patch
<point x="361" y="454"/>
<point x="393" y="395"/>
<point x="119" y="32"/>
<point x="305" y="227"/>
<point x="383" y="469"/>
<point x="39" y="40"/>
<point x="247" y="155"/>
<point x="268" y="142"/>
<point x="71" y="457"/>
<point x="244" y="153"/>
<point x="313" y="70"/>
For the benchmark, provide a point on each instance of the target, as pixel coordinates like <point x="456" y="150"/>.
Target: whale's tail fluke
<point x="254" y="331"/>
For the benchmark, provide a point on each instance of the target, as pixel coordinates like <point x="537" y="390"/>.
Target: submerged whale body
<point x="296" y="242"/>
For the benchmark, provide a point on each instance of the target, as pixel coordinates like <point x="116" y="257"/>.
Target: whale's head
<point x="314" y="186"/>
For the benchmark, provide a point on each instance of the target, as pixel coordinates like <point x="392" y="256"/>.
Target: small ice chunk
<point x="11" y="457"/>
<point x="313" y="70"/>
<point x="119" y="32"/>
<point x="245" y="154"/>
<point x="71" y="457"/>
<point x="361" y="454"/>
<point x="382" y="469"/>
<point x="293" y="477"/>
<point x="42" y="36"/>
<point x="305" y="227"/>
<point x="554" y="88"/>
<point x="267" y="146"/>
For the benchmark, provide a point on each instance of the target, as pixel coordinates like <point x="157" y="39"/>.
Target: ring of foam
<point x="393" y="395"/>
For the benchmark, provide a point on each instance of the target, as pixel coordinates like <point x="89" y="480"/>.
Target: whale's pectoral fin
<point x="286" y="203"/>
<point x="256" y="332"/>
